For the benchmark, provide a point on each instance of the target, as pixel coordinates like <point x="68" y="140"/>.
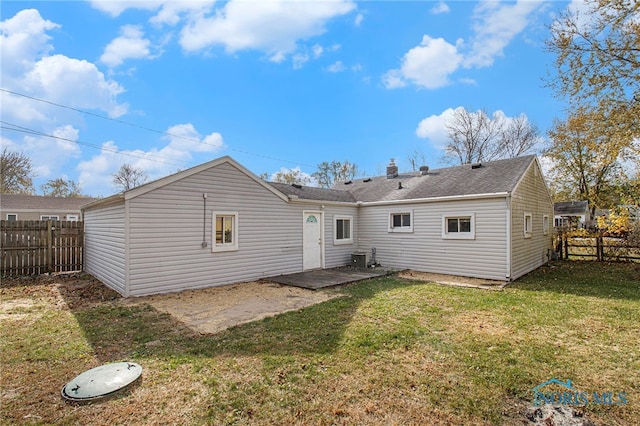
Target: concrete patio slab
<point x="323" y="278"/>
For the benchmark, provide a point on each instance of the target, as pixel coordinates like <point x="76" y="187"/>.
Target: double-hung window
<point x="12" y="217"/>
<point x="343" y="226"/>
<point x="225" y="229"/>
<point x="50" y="217"/>
<point x="459" y="226"/>
<point x="401" y="221"/>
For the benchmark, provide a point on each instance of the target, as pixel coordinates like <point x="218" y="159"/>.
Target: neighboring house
<point x="218" y="223"/>
<point x="570" y="214"/>
<point x="35" y="207"/>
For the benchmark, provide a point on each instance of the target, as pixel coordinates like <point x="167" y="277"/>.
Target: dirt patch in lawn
<point x="453" y="280"/>
<point x="212" y="310"/>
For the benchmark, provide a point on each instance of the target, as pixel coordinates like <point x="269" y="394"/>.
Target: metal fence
<point x="33" y="247"/>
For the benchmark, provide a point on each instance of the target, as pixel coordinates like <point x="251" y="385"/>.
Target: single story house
<point x="218" y="223"/>
<point x="36" y="207"/>
<point x="570" y="214"/>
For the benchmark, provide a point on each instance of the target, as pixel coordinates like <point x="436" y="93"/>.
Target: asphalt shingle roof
<point x="492" y="177"/>
<point x="39" y="202"/>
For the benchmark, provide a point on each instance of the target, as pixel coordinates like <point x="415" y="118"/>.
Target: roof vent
<point x="399" y="185"/>
<point x="367" y="180"/>
<point x="348" y="182"/>
<point x="296" y="185"/>
<point x="392" y="169"/>
<point x="424" y="170"/>
<point x="476" y="165"/>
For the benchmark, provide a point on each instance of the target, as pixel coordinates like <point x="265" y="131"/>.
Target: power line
<point x="20" y="129"/>
<point x="104" y="117"/>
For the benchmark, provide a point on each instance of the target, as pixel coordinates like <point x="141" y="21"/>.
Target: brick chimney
<point x="392" y="169"/>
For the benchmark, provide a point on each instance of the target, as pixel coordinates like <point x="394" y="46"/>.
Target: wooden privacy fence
<point x="595" y="247"/>
<point x="32" y="247"/>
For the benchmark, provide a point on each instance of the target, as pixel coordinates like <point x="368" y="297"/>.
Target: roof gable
<point x="167" y="180"/>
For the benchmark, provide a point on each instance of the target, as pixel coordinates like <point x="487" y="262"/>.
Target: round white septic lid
<point x="101" y="381"/>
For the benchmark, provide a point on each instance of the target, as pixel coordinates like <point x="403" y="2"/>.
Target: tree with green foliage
<point x="585" y="159"/>
<point x="597" y="50"/>
<point x="291" y="176"/>
<point x="328" y="173"/>
<point x="61" y="188"/>
<point x="16" y="173"/>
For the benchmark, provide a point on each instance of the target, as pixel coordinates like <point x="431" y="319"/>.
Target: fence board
<point x="596" y="247"/>
<point x="32" y="247"/>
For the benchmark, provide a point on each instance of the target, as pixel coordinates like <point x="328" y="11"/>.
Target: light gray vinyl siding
<point x="339" y="254"/>
<point x="425" y="249"/>
<point x="166" y="233"/>
<point x="530" y="196"/>
<point x="104" y="245"/>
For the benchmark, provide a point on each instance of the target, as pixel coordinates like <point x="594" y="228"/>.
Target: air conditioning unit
<point x="359" y="259"/>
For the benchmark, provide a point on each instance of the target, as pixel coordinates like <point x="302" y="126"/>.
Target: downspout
<point x="509" y="231"/>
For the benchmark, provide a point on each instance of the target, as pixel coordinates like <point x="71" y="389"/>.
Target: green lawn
<point x="390" y="351"/>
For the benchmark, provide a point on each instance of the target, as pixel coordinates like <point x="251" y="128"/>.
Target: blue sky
<point x="273" y="84"/>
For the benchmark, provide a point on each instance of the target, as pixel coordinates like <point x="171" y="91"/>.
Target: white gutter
<point x="439" y="199"/>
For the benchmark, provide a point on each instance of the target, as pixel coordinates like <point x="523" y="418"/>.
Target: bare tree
<point x="416" y="160"/>
<point x="518" y="137"/>
<point x="16" y="173"/>
<point x="472" y="136"/>
<point x="476" y="137"/>
<point x="129" y="177"/>
<point x="329" y="173"/>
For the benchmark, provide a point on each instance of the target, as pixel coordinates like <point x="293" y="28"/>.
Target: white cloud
<point x="440" y="8"/>
<point x="41" y="150"/>
<point x="28" y="68"/>
<point x="428" y="65"/>
<point x="130" y="45"/>
<point x="434" y="128"/>
<point x="23" y="38"/>
<point x="116" y="7"/>
<point x="337" y="66"/>
<point x="317" y="50"/>
<point x="76" y="83"/>
<point x="273" y="27"/>
<point x="171" y="12"/>
<point x="299" y="59"/>
<point x="183" y="140"/>
<point x="496" y="24"/>
<point x="358" y="20"/>
<point x="431" y="64"/>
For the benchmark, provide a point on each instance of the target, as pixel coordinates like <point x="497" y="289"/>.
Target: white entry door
<point x="312" y="241"/>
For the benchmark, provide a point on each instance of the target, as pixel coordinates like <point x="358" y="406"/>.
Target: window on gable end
<point x="225" y="231"/>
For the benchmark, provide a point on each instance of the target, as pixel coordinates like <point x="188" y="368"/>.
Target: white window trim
<point x="337" y="241"/>
<point x="528" y="232"/>
<point x="73" y="217"/>
<point x="545" y="224"/>
<point x="215" y="247"/>
<point x="12" y="214"/>
<point x="402" y="229"/>
<point x="49" y="217"/>
<point x="471" y="235"/>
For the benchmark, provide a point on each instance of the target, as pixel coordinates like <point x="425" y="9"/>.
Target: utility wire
<point x="151" y="157"/>
<point x="104" y="117"/>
